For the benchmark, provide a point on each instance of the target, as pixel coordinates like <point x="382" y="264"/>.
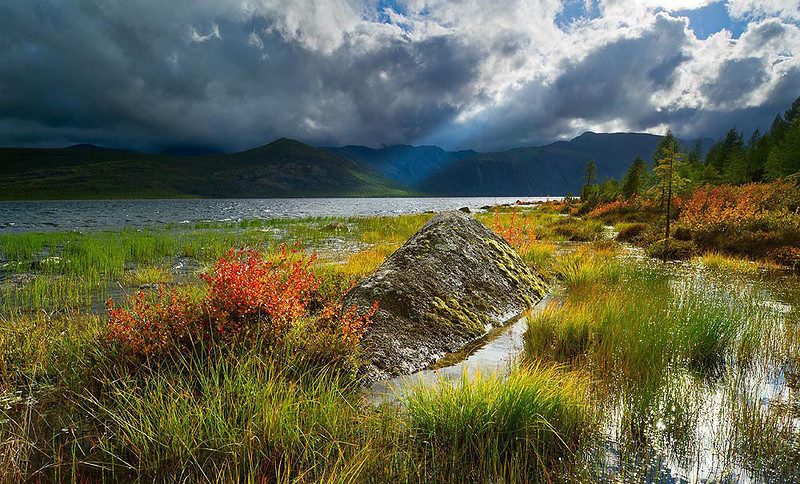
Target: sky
<point x="479" y="74"/>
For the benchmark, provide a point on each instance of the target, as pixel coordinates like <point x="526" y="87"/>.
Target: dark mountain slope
<point x="555" y="169"/>
<point x="404" y="163"/>
<point x="283" y="168"/>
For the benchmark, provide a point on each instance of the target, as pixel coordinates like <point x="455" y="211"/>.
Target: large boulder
<point x="448" y="284"/>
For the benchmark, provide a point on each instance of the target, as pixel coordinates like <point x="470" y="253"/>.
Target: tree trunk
<point x="669" y="206"/>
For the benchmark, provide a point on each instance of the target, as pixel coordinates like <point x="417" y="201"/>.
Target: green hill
<point x="283" y="168"/>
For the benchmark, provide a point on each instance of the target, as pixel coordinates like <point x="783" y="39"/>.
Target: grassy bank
<point x="638" y="369"/>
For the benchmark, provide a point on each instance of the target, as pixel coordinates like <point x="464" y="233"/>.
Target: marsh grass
<point x="715" y="261"/>
<point x="531" y="418"/>
<point x="642" y="351"/>
<point x="661" y="343"/>
<point x="582" y="267"/>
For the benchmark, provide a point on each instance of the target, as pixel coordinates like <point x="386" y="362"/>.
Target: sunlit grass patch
<point x="722" y="262"/>
<point x="638" y="325"/>
<point x="397" y="230"/>
<point x="243" y="417"/>
<point x="147" y="274"/>
<point x="362" y="262"/>
<point x="541" y="255"/>
<point x="536" y="416"/>
<point x="583" y="267"/>
<point x="559" y="334"/>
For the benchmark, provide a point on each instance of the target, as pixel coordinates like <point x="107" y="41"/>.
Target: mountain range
<point x="289" y="168"/>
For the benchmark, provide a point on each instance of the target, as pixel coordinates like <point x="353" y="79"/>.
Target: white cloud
<point x="673" y="5"/>
<point x="786" y="9"/>
<point x="255" y="41"/>
<point x="213" y="34"/>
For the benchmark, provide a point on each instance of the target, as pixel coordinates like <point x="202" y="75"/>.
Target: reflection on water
<point x="495" y="352"/>
<point x="111" y="214"/>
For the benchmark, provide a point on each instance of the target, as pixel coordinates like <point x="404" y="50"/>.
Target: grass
<point x="527" y="421"/>
<point x="585" y="267"/>
<point x="715" y="261"/>
<point x="634" y="371"/>
<point x="663" y="346"/>
<point x="628" y="321"/>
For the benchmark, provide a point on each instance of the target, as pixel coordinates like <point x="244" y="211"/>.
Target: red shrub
<point x="729" y="207"/>
<point x="247" y="293"/>
<point x="518" y="231"/>
<point x="249" y="299"/>
<point x="153" y="327"/>
<point x="619" y="205"/>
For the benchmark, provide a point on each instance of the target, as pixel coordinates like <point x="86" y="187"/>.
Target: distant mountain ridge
<point x="554" y="169"/>
<point x="289" y="168"/>
<point x="283" y="168"/>
<point x="404" y="163"/>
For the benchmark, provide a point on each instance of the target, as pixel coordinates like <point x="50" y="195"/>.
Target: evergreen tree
<point x="784" y="157"/>
<point x="634" y="180"/>
<point x="667" y="143"/>
<point x="609" y="190"/>
<point x="757" y="153"/>
<point x="668" y="179"/>
<point x="694" y="162"/>
<point x="725" y="153"/>
<point x="589" y="189"/>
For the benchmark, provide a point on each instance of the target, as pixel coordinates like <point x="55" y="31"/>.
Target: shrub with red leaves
<point x="249" y="299"/>
<point x="153" y="327"/>
<point x="335" y="334"/>
<point x="249" y="294"/>
<point x="518" y="231"/>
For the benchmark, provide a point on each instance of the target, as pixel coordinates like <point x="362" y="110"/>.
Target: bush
<point x="518" y="231"/>
<point x="786" y="256"/>
<point x="634" y="209"/>
<point x="631" y="232"/>
<point x="727" y="208"/>
<point x="672" y="249"/>
<point x="249" y="299"/>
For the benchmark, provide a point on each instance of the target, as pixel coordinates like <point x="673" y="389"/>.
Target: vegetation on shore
<point x="742" y="200"/>
<point x="633" y="359"/>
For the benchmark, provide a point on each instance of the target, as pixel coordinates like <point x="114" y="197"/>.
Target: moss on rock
<point x="446" y="286"/>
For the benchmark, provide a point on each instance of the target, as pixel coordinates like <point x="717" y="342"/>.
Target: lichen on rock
<point x="447" y="285"/>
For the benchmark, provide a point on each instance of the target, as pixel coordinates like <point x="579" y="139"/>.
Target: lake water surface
<point x="50" y="215"/>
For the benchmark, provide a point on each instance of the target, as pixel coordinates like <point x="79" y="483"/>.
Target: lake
<point x="60" y="215"/>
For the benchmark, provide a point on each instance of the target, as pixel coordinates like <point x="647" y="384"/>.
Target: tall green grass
<point x="635" y="322"/>
<point x="523" y="423"/>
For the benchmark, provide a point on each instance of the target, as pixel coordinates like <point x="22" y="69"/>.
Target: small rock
<point x="336" y="226"/>
<point x="464" y="209"/>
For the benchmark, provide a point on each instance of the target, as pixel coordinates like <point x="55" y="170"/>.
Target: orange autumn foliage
<point x="517" y="231"/>
<point x="724" y="206"/>
<point x="249" y="299"/>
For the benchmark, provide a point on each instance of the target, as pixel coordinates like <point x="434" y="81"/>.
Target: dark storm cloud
<point x="737" y="78"/>
<point x="84" y="73"/>
<point x="150" y="74"/>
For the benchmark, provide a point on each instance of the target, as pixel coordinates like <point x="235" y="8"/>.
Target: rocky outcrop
<point x="448" y="284"/>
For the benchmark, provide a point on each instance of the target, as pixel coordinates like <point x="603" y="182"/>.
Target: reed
<point x="534" y="416"/>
